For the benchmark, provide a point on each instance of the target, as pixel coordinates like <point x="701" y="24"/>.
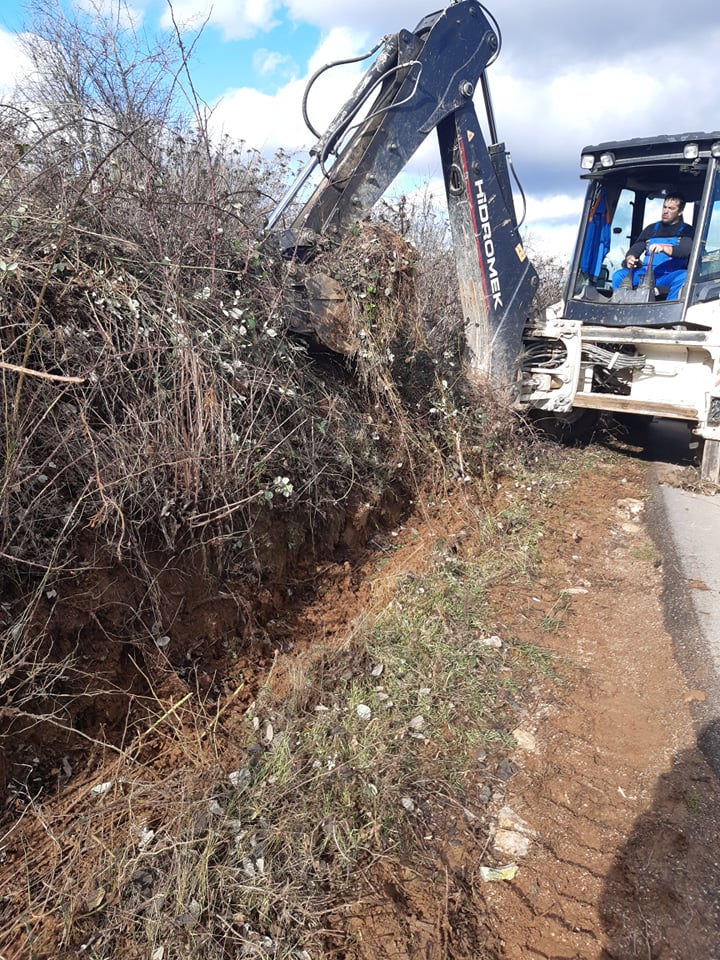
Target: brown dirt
<point x="625" y="805"/>
<point x="620" y="805"/>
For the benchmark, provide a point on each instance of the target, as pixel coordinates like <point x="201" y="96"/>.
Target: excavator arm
<point x="422" y="81"/>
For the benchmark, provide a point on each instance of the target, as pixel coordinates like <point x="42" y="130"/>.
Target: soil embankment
<point x="609" y="777"/>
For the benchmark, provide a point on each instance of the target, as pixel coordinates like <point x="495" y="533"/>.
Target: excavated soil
<point x="624" y="802"/>
<point x="608" y="788"/>
<point x="612" y="789"/>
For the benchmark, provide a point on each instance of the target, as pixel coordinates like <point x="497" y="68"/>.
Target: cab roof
<point x="664" y="145"/>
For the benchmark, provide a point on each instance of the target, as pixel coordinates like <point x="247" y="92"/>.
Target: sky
<point x="568" y="75"/>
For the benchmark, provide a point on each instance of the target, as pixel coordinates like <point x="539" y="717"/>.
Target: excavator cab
<point x="620" y="214"/>
<point x="641" y="350"/>
<point x="627" y="184"/>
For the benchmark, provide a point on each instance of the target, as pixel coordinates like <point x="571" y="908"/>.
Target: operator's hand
<point x="661" y="248"/>
<point x="631" y="261"/>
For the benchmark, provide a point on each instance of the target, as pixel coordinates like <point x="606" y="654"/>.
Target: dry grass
<point x="227" y="832"/>
<point x="168" y="440"/>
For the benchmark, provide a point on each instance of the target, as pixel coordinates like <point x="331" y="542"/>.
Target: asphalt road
<point x="686" y="528"/>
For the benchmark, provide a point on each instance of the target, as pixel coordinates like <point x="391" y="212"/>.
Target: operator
<point x="669" y="241"/>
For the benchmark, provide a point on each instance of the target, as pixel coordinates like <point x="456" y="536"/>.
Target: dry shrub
<point x="157" y="408"/>
<point x="170" y="441"/>
<point x="159" y="416"/>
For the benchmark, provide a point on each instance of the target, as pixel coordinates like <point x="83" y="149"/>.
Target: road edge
<point x="691" y="646"/>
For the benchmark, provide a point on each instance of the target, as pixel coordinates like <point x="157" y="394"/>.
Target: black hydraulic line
<point x="329" y="66"/>
<point x="515" y="177"/>
<point x="488" y="108"/>
<point x="498" y="33"/>
<point x="348" y="124"/>
<point x="376" y="72"/>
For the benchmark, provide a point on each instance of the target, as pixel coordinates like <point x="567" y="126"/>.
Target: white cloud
<point x="14" y="65"/>
<point x="269" y="122"/>
<point x="267" y="63"/>
<point x="560" y="207"/>
<point x="550" y="240"/>
<point x="263" y="121"/>
<point x="551" y="222"/>
<point x="370" y="16"/>
<point x="125" y="14"/>
<point x="235" y="20"/>
<point x="340" y="43"/>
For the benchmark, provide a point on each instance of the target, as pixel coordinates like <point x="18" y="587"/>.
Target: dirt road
<point x="618" y="792"/>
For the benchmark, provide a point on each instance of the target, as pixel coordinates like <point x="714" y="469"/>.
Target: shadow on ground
<point x="651" y="439"/>
<point x="661" y="899"/>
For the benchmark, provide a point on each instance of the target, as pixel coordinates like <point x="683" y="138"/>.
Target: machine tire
<point x="575" y="427"/>
<point x="633" y="427"/>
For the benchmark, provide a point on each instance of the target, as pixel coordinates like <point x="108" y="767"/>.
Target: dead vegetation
<point x="177" y="466"/>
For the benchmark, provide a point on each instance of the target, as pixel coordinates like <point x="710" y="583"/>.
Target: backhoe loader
<point x="628" y="349"/>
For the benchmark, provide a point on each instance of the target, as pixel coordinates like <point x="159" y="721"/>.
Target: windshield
<point x="709" y="261"/>
<point x="626" y="215"/>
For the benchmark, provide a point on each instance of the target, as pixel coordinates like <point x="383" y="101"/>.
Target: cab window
<point x="709" y="266"/>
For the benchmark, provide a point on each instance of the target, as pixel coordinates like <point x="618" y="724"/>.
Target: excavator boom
<point x="420" y="81"/>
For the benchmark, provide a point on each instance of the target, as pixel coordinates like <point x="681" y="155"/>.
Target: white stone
<point x="510" y="843"/>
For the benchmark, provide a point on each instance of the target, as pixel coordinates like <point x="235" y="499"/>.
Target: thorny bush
<point x="157" y="408"/>
<point x="163" y="425"/>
